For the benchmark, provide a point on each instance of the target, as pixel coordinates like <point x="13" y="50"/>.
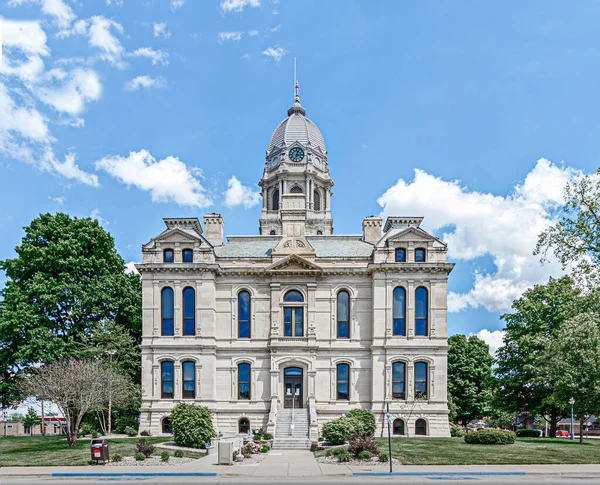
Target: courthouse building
<point x="296" y="322"/>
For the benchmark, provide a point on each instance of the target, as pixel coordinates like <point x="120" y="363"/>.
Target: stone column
<point x="275" y="317"/>
<point x="156" y="320"/>
<point x="177" y="314"/>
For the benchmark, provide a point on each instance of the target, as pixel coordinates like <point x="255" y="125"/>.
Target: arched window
<point x="272" y="233"/>
<point x="243" y="314"/>
<point x="399" y="311"/>
<point x="421" y="324"/>
<point x="189" y="311"/>
<point x="398" y="426"/>
<point x="244" y="426"/>
<point x="168" y="256"/>
<point x="275" y="205"/>
<point x="167" y="309"/>
<point x="317" y="200"/>
<point x="421" y="381"/>
<point x="399" y="380"/>
<point x="166" y="426"/>
<point x="400" y="255"/>
<point x="189" y="380"/>
<point x="166" y="374"/>
<point x="343" y="382"/>
<point x="188" y="256"/>
<point x="343" y="314"/>
<point x="296" y="189"/>
<point x="244" y="381"/>
<point x="293" y="316"/>
<point x="319" y="233"/>
<point x="419" y="255"/>
<point x="421" y="427"/>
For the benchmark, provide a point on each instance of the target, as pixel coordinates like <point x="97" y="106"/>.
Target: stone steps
<point x="298" y="439"/>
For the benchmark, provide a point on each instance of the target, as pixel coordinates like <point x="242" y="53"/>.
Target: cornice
<point x="444" y="268"/>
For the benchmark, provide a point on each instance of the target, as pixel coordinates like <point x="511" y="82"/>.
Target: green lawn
<point x="454" y="451"/>
<point x="54" y="451"/>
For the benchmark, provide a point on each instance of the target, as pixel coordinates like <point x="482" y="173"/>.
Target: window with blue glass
<point x="421" y="381"/>
<point x="187" y="256"/>
<point x="419" y="255"/>
<point x="399" y="311"/>
<point x="293" y="316"/>
<point x="343" y="382"/>
<point x="167" y="310"/>
<point x="168" y="256"/>
<point x="343" y="314"/>
<point x="244" y="381"/>
<point x="398" y="380"/>
<point x="400" y="255"/>
<point x="421" y="321"/>
<point x="189" y="311"/>
<point x="243" y="314"/>
<point x="189" y="380"/>
<point x="166" y="380"/>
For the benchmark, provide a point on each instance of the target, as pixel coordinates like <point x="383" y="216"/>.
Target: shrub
<point x="267" y="436"/>
<point x="85" y="429"/>
<point x="257" y="435"/>
<point x="179" y="454"/>
<point x="320" y="438"/>
<point x="164" y="456"/>
<point x="144" y="447"/>
<point x="456" y="432"/>
<point x="94" y="434"/>
<point x="529" y="433"/>
<point x="336" y="451"/>
<point x="363" y="442"/>
<point x="117" y="458"/>
<point x="490" y="437"/>
<point x="140" y="457"/>
<point x="265" y="448"/>
<point x="251" y="448"/>
<point x="365" y="455"/>
<point x="145" y="433"/>
<point x="124" y="422"/>
<point x="192" y="425"/>
<point x="383" y="457"/>
<point x="366" y="418"/>
<point x="338" y="430"/>
<point x="344" y="457"/>
<point x="129" y="431"/>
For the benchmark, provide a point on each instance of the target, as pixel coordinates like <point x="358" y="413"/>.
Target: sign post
<point x="389" y="425"/>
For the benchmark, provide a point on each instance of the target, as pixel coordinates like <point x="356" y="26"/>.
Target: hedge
<point x="490" y="437"/>
<point x="529" y="433"/>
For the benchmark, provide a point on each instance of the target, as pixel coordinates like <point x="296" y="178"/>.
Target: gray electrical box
<point x="225" y="452"/>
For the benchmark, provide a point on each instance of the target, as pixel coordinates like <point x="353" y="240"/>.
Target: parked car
<point x="561" y="433"/>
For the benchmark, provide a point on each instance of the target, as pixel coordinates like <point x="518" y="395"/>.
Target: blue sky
<point x="472" y="114"/>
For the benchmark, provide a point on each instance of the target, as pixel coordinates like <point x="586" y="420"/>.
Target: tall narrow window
<point x="166" y="303"/>
<point x="244" y="381"/>
<point x="243" y="314"/>
<point x="166" y="426"/>
<point x="399" y="311"/>
<point x="168" y="256"/>
<point x="421" y="323"/>
<point x="398" y="426"/>
<point x="189" y="311"/>
<point x="419" y="255"/>
<point x="343" y="314"/>
<point x="343" y="382"/>
<point x="244" y="426"/>
<point x="189" y="380"/>
<point x="317" y="200"/>
<point x="400" y="255"/>
<point x="166" y="380"/>
<point x="398" y="380"/>
<point x="421" y="384"/>
<point x="293" y="316"/>
<point x="275" y="205"/>
<point x="188" y="256"/>
<point x="421" y="427"/>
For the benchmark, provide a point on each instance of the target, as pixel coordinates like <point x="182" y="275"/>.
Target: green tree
<point x="31" y="419"/>
<point x="469" y="376"/>
<point x="66" y="282"/>
<point x="538" y="315"/>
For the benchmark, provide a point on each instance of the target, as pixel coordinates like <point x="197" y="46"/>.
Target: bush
<point x="164" y="456"/>
<point x="344" y="457"/>
<point x="265" y="448"/>
<point x="364" y="455"/>
<point x="490" y="437"/>
<point x="94" y="434"/>
<point x="124" y="422"/>
<point x="145" y="433"/>
<point x="267" y="436"/>
<point x="529" y="433"/>
<point x="192" y="425"/>
<point x="140" y="457"/>
<point x="456" y="432"/>
<point x="336" y="451"/>
<point x="179" y="454"/>
<point x="366" y="418"/>
<point x="360" y="443"/>
<point x="85" y="429"/>
<point x="117" y="458"/>
<point x="144" y="447"/>
<point x="383" y="457"/>
<point x="129" y="431"/>
<point x="338" y="430"/>
<point x="251" y="448"/>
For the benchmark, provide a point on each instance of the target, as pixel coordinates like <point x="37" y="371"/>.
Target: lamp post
<point x="572" y="434"/>
<point x="111" y="353"/>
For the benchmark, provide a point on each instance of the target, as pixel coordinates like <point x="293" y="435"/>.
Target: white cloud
<point x="482" y="224"/>
<point x="175" y="4"/>
<point x="494" y="339"/>
<point x="167" y="180"/>
<point x="80" y="86"/>
<point x="30" y="39"/>
<point x="246" y="56"/>
<point x="117" y="3"/>
<point x="21" y="121"/>
<point x="276" y="53"/>
<point x="70" y="170"/>
<point x="229" y="36"/>
<point x="60" y="200"/>
<point x="96" y="215"/>
<point x="276" y="28"/>
<point x="238" y="5"/>
<point x="157" y="56"/>
<point x="130" y="268"/>
<point x="145" y="82"/>
<point x="62" y="12"/>
<point x="238" y="194"/>
<point x="160" y="29"/>
<point x="253" y="33"/>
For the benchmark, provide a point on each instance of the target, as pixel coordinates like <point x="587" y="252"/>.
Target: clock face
<point x="296" y="154"/>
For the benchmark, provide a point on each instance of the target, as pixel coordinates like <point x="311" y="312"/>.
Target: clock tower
<point x="296" y="183"/>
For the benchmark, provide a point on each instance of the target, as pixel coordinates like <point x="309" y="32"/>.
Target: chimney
<point x="213" y="229"/>
<point x="372" y="229"/>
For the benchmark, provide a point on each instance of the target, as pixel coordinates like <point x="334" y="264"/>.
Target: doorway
<point x="292" y="387"/>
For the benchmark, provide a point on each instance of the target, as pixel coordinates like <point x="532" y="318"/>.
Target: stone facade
<point x="196" y="287"/>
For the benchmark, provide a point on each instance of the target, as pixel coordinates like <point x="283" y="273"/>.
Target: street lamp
<point x="572" y="436"/>
<point x="110" y="353"/>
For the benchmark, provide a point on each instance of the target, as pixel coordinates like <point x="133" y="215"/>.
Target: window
<point x="421" y="383"/>
<point x="244" y="381"/>
<point x="317" y="200"/>
<point x="398" y="426"/>
<point x="166" y="426"/>
<point x="319" y="233"/>
<point x="419" y="255"/>
<point x="343" y="382"/>
<point x="399" y="311"/>
<point x="400" y="255"/>
<point x="168" y="256"/>
<point x="293" y="316"/>
<point x="244" y="426"/>
<point x="243" y="314"/>
<point x="166" y="380"/>
<point x="421" y="427"/>
<point x="166" y="303"/>
<point x="189" y="311"/>
<point x="275" y="205"/>
<point x="189" y="380"/>
<point x="272" y="233"/>
<point x="188" y="256"/>
<point x="296" y="189"/>
<point x="398" y="380"/>
<point x="343" y="314"/>
<point x="421" y="311"/>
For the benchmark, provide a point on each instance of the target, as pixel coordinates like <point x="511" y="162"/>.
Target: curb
<point x="133" y="474"/>
<point x="425" y="474"/>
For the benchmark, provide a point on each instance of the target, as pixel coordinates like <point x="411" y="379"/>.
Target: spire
<point x="296" y="107"/>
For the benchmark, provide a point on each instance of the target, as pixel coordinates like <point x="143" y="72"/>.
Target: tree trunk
<point x="553" y="422"/>
<point x="72" y="430"/>
<point x="581" y="421"/>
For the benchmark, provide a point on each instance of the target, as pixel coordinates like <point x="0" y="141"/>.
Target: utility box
<point x="225" y="452"/>
<point x="99" y="450"/>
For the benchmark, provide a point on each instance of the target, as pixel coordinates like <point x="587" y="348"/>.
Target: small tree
<point x="192" y="425"/>
<point x="31" y="419"/>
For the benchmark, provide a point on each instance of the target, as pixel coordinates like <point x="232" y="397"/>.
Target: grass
<point x="525" y="451"/>
<point x="54" y="450"/>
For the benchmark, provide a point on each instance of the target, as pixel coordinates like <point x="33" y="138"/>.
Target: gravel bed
<point x="151" y="461"/>
<point x="333" y="460"/>
<point x="252" y="459"/>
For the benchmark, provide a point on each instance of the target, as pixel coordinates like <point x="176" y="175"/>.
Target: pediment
<point x="176" y="235"/>
<point x="298" y="245"/>
<point x="411" y="234"/>
<point x="293" y="264"/>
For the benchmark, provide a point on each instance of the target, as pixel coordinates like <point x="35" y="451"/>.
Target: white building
<point x="296" y="317"/>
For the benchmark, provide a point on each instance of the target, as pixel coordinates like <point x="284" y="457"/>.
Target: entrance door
<point x="292" y="387"/>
